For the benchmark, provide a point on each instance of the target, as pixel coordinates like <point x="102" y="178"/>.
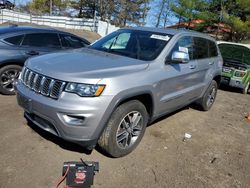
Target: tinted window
<point x="184" y="44"/>
<point x="16" y="40"/>
<point x="71" y="41"/>
<point x="41" y="40"/>
<point x="212" y="49"/>
<point x="201" y="48"/>
<point x="143" y="45"/>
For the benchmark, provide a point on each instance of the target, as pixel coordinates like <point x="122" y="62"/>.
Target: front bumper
<point x="90" y="114"/>
<point x="232" y="82"/>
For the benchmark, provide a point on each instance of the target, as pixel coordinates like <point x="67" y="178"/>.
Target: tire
<point x="207" y="100"/>
<point x="8" y="75"/>
<point x="246" y="88"/>
<point x="120" y="137"/>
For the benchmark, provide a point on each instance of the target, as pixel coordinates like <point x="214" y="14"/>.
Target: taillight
<point x="239" y="74"/>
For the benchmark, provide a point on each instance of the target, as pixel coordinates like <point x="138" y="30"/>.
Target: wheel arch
<point x="19" y="63"/>
<point x="145" y="98"/>
<point x="217" y="78"/>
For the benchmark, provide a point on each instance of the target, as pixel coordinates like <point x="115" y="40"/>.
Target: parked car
<point x="236" y="68"/>
<point x="108" y="93"/>
<point x="19" y="43"/>
<point x="6" y="4"/>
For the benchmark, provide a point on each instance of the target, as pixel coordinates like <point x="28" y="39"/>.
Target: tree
<point x="43" y="6"/>
<point x="187" y="10"/>
<point x="130" y="12"/>
<point x="232" y="13"/>
<point x="106" y="9"/>
<point x="162" y="13"/>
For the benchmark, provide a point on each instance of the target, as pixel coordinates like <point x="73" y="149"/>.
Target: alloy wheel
<point x="8" y="79"/>
<point x="129" y="129"/>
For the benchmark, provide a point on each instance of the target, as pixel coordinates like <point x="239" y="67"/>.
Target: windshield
<point x="141" y="45"/>
<point x="236" y="53"/>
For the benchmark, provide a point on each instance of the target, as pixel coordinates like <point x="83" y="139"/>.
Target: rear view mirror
<point x="180" y="57"/>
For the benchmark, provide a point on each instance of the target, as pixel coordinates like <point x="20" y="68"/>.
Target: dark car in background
<point x="19" y="43"/>
<point x="6" y="4"/>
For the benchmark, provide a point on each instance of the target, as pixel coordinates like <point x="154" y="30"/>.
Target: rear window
<point x="41" y="40"/>
<point x="71" y="41"/>
<point x="15" y="40"/>
<point x="200" y="48"/>
<point x="212" y="49"/>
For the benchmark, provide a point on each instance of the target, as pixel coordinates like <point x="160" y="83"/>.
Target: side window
<point x="212" y="49"/>
<point x="184" y="44"/>
<point x="16" y="40"/>
<point x="41" y="40"/>
<point x="71" y="41"/>
<point x="200" y="48"/>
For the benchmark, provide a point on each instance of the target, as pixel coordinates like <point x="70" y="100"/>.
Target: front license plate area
<point x="24" y="102"/>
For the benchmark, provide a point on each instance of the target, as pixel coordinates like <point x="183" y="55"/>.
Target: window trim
<point x="6" y="42"/>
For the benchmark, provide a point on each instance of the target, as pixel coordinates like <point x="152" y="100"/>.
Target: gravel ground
<point x="217" y="155"/>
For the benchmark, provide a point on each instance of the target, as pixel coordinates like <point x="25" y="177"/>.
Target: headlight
<point x="240" y="74"/>
<point x="85" y="90"/>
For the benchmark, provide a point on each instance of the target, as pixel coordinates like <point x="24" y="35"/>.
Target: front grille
<point x="42" y="84"/>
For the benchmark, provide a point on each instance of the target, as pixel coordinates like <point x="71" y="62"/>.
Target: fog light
<point x="73" y="119"/>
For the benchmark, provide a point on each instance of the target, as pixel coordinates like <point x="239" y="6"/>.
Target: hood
<point x="79" y="65"/>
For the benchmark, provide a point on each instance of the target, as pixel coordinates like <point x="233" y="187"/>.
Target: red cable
<point x="62" y="178"/>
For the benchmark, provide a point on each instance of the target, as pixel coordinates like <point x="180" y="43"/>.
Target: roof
<point x="170" y="31"/>
<point x="15" y="29"/>
<point x="234" y="43"/>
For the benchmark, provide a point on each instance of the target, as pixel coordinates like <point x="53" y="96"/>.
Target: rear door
<point x="39" y="43"/>
<point x="206" y="54"/>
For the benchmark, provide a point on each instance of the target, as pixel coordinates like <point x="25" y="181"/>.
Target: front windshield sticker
<point x="160" y="37"/>
<point x="183" y="49"/>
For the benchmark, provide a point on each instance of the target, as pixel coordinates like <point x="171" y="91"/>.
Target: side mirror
<point x="180" y="57"/>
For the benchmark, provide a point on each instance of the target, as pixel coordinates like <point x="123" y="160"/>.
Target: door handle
<point x="32" y="52"/>
<point x="192" y="66"/>
<point x="211" y="63"/>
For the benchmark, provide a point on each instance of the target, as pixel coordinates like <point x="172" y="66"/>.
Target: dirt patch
<point x="217" y="154"/>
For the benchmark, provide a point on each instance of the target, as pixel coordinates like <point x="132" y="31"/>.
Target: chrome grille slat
<point x="26" y="77"/>
<point x="44" y="85"/>
<point x="23" y="73"/>
<point x="38" y="83"/>
<point x="34" y="81"/>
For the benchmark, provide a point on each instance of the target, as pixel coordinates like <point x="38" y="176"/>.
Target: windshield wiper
<point x="112" y="43"/>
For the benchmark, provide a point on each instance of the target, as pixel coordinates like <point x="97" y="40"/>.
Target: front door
<point x="179" y="85"/>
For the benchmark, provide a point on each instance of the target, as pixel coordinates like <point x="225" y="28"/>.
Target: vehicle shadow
<point x="193" y="106"/>
<point x="59" y="141"/>
<point x="230" y="89"/>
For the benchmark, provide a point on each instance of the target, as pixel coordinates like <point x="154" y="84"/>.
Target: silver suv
<point x="109" y="92"/>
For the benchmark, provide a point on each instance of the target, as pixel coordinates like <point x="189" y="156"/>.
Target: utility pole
<point x="50" y="7"/>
